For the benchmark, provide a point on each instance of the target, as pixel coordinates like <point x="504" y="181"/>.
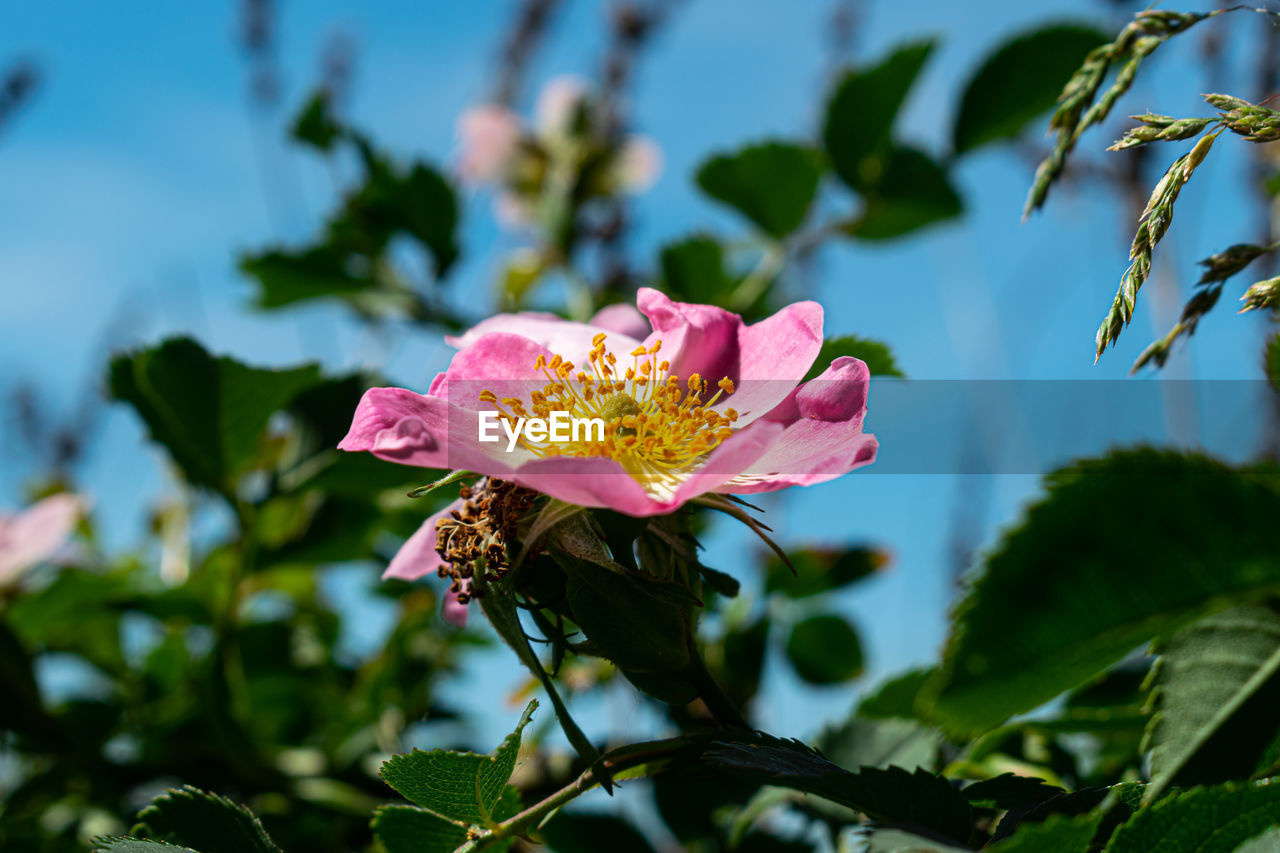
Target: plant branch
<point x="610" y="764"/>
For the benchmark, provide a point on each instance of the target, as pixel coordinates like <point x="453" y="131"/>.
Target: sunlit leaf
<point x="209" y="412"/>
<point x="858" y="131"/>
<point x="1113" y="557"/>
<point x="1018" y="81"/>
<point x="771" y="184"/>
<point x="457" y="786"/>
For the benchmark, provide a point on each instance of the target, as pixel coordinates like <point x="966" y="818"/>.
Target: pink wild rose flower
<point x="695" y="400"/>
<point x="36" y="534"/>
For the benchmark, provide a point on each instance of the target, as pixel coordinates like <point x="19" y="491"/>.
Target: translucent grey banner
<point x="921" y="426"/>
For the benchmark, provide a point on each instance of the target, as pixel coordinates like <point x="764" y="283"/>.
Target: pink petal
<point x="451" y="610"/>
<point x="638" y="164"/>
<point x="601" y="482"/>
<point x="764" y="360"/>
<point x="37" y="533"/>
<point x="555" y="335"/>
<point x="622" y="319"/>
<point x="417" y="557"/>
<point x="489" y="135"/>
<point x="400" y="426"/>
<point x="822" y="437"/>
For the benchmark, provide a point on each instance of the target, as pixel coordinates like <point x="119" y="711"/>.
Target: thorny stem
<point x="610" y="764"/>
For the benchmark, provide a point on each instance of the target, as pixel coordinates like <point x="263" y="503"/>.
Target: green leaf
<point x="858" y="130"/>
<point x="23" y="710"/>
<point x="624" y="621"/>
<point x="888" y="840"/>
<point x="457" y="786"/>
<point x="112" y="844"/>
<point x="1272" y="362"/>
<point x="209" y="821"/>
<point x="315" y="124"/>
<point x="499" y="607"/>
<point x="285" y="277"/>
<point x="1122" y="550"/>
<point x="825" y="650"/>
<point x="79" y="612"/>
<point x="584" y="833"/>
<point x="896" y="697"/>
<point x="209" y="413"/>
<point x="876" y="354"/>
<point x="819" y="570"/>
<point x="1059" y="833"/>
<point x="863" y="742"/>
<point x="1218" y="684"/>
<point x="1010" y="791"/>
<point x="693" y="270"/>
<point x="910" y="192"/>
<point x="1203" y="820"/>
<point x="890" y="795"/>
<point x="1114" y="804"/>
<point x="1019" y="81"/>
<point x="772" y="184"/>
<point x="409" y="829"/>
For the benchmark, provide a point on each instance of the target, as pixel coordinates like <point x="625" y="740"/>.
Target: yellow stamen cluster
<point x="654" y="424"/>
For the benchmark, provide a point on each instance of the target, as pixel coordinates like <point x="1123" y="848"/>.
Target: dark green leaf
<point x="137" y="845"/>
<point x="1218" y="685"/>
<point x="819" y="570"/>
<point x="79" y="613"/>
<point x="771" y="184"/>
<point x="1272" y="362"/>
<point x="860" y="116"/>
<point x="910" y="192"/>
<point x="1010" y="791"/>
<point x="693" y="270"/>
<point x="315" y="125"/>
<point x="877" y="355"/>
<point x="1115" y="804"/>
<point x="862" y="742"/>
<point x="207" y="821"/>
<point x="285" y="277"/>
<point x="890" y="795"/>
<point x="409" y="829"/>
<point x="624" y="621"/>
<point x="1057" y="833"/>
<point x="210" y="413"/>
<point x="1114" y="556"/>
<point x="1203" y="820"/>
<point x="22" y="709"/>
<point x="896" y="697"/>
<point x="726" y="585"/>
<point x="825" y="650"/>
<point x="585" y="833"/>
<point x="1018" y="81"/>
<point x="458" y="786"/>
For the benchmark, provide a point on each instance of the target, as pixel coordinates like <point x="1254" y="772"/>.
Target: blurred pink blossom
<point x="489" y="135"/>
<point x="37" y="533"/>
<point x="638" y="164"/>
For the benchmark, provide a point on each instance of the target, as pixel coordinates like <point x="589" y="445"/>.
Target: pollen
<point x="656" y="426"/>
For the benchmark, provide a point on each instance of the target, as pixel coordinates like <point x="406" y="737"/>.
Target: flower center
<point x="655" y="425"/>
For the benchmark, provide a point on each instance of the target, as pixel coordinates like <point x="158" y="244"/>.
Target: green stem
<point x="611" y="763"/>
<point x="722" y="708"/>
<point x="757" y="281"/>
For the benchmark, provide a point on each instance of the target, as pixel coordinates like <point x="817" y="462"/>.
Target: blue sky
<point x="139" y="171"/>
